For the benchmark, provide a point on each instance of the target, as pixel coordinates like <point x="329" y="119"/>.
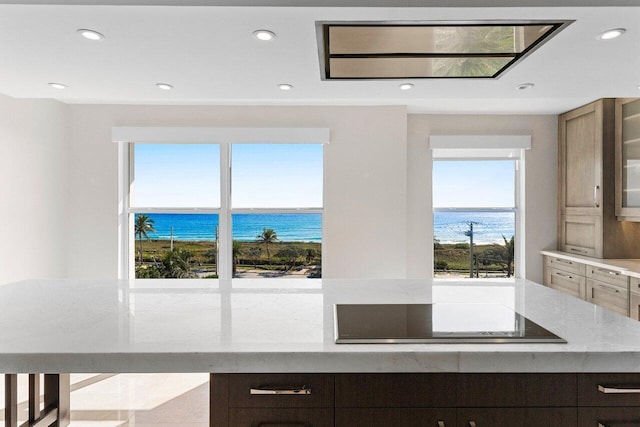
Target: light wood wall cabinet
<point x="587" y="223"/>
<point x="628" y="159"/>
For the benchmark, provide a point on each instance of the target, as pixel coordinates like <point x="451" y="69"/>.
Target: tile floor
<point x="130" y="400"/>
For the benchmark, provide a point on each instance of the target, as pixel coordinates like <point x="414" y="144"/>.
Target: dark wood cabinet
<point x="524" y="417"/>
<point x="425" y="399"/>
<point x="405" y="417"/>
<point x="516" y="390"/>
<point x="281" y="417"/>
<point x="395" y="390"/>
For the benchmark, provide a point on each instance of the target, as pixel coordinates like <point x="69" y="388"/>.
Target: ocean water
<point x="488" y="227"/>
<point x="449" y="227"/>
<point x="288" y="227"/>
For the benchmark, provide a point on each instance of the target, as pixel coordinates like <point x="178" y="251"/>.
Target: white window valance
<point x="479" y="146"/>
<point x="220" y="135"/>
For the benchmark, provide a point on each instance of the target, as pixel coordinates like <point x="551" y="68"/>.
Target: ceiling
<point x="209" y="55"/>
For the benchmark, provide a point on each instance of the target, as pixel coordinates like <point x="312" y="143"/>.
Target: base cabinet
<point x="385" y="417"/>
<point x="425" y="399"/>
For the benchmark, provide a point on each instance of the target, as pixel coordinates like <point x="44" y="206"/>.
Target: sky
<point x="473" y="183"/>
<point x="263" y="175"/>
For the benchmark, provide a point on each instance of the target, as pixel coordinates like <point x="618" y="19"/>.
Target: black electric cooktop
<point x="436" y="324"/>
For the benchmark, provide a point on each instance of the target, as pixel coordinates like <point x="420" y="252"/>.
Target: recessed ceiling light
<point x="164" y="86"/>
<point x="525" y="86"/>
<point x="611" y="34"/>
<point x="90" y="34"/>
<point x="285" y="86"/>
<point x="264" y="35"/>
<point x="58" y="85"/>
<point x="406" y="86"/>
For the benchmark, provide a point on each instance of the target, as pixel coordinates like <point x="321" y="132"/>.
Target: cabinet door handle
<point x="613" y="273"/>
<point x="580" y="251"/>
<point x="610" y="289"/>
<point x="441" y="423"/>
<point x="563" y="261"/>
<point x="281" y="390"/>
<point x="596" y="194"/>
<point x="602" y="424"/>
<point x="566" y="276"/>
<point x="617" y="390"/>
<point x="472" y="424"/>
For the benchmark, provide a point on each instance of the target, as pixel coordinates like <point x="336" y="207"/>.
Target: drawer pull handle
<point x="295" y="391"/>
<point x="566" y="276"/>
<point x="580" y="251"/>
<point x="607" y="288"/>
<point x="613" y="273"/>
<point x="617" y="390"/>
<point x="441" y="424"/>
<point x="472" y="424"/>
<point x="602" y="425"/>
<point x="564" y="261"/>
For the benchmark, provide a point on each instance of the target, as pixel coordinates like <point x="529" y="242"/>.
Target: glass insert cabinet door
<point x="628" y="159"/>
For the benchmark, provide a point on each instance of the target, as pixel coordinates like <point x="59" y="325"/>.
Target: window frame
<point x="518" y="157"/>
<point x="126" y="213"/>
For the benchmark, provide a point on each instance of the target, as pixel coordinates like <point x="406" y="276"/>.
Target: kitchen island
<point x="241" y="328"/>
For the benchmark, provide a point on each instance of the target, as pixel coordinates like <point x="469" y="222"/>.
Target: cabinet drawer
<point x="525" y="417"/>
<point x="612" y="297"/>
<point x="386" y="417"/>
<point x="566" y="265"/>
<point x="568" y="283"/>
<point x="608" y="417"/>
<point x="581" y="234"/>
<point x="291" y="417"/>
<point x="516" y="390"/>
<point x="608" y="390"/>
<point x="395" y="390"/>
<point x="634" y="285"/>
<point x="607" y="276"/>
<point x="280" y="390"/>
<point x="634" y="305"/>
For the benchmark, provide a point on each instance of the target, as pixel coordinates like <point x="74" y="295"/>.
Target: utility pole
<point x="469" y="233"/>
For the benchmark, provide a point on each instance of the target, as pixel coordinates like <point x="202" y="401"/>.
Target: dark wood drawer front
<point x="521" y="417"/>
<point x="242" y="396"/>
<point x="608" y="389"/>
<point x="290" y="417"/>
<point x="516" y="390"/>
<point x="395" y="390"/>
<point x="609" y="417"/>
<point x="391" y="417"/>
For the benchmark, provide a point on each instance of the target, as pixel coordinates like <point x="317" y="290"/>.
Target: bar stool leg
<point x="57" y="392"/>
<point x="11" y="400"/>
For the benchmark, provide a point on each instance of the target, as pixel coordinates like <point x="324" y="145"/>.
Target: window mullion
<point x="224" y="221"/>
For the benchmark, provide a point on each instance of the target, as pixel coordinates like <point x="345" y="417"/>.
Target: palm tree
<point x="143" y="226"/>
<point x="310" y="255"/>
<point x="267" y="237"/>
<point x="175" y="264"/>
<point x="236" y="251"/>
<point x="509" y="251"/>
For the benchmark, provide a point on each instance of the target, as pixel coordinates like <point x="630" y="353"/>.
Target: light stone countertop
<point x="628" y="267"/>
<point x="279" y="325"/>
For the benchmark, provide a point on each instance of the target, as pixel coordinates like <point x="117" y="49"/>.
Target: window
<point x="477" y="201"/>
<point x="476" y="49"/>
<point x="223" y="210"/>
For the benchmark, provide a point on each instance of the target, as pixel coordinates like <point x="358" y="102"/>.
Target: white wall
<point x="541" y="178"/>
<point x="33" y="188"/>
<point x="365" y="180"/>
